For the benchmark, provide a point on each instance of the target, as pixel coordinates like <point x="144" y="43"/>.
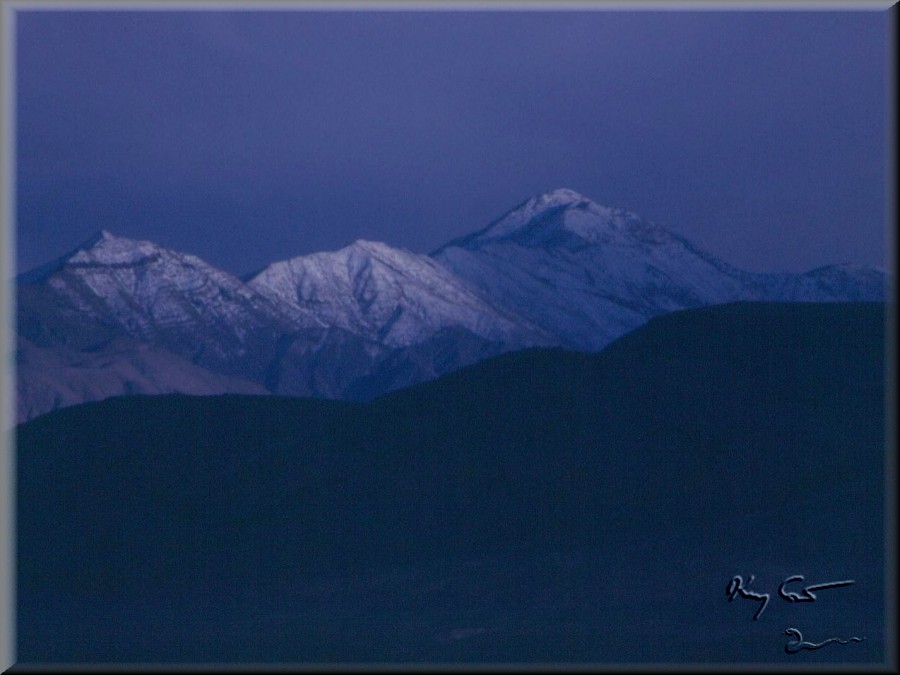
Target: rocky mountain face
<point x="118" y="316"/>
<point x="588" y="273"/>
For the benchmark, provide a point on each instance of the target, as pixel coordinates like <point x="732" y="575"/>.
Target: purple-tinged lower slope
<point x="55" y="378"/>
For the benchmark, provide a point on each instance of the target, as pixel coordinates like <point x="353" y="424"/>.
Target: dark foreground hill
<point x="542" y="506"/>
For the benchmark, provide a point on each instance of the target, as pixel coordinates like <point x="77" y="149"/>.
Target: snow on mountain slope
<point x="112" y="286"/>
<point x="552" y="218"/>
<point x="118" y="315"/>
<point x="590" y="273"/>
<point x="389" y="296"/>
<point x="831" y="282"/>
<point x="349" y="312"/>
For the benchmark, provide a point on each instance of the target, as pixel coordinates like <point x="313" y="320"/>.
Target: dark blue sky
<point x="246" y="138"/>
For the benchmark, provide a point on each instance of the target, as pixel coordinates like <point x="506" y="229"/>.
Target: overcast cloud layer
<point x="248" y="137"/>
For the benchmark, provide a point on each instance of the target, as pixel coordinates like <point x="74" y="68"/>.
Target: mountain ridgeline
<point x="543" y="505"/>
<point x="118" y="316"/>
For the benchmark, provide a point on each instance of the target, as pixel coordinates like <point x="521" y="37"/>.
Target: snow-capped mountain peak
<point x="101" y="248"/>
<point x="106" y="249"/>
<point x="369" y="246"/>
<point x="148" y="292"/>
<point x="558" y="217"/>
<point x="386" y="294"/>
<point x="558" y="269"/>
<point x="98" y="238"/>
<point x="552" y="199"/>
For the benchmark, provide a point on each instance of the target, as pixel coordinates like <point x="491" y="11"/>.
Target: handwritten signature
<point x="738" y="587"/>
<point x="798" y="644"/>
<point x="808" y="595"/>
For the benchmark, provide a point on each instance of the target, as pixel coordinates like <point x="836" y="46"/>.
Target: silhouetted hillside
<point x="539" y="506"/>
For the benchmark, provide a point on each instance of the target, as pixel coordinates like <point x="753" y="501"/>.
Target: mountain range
<point x="119" y="316"/>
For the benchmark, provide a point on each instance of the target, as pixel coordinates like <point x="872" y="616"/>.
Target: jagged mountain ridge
<point x="388" y="295"/>
<point x="558" y="270"/>
<point x="617" y="270"/>
<point x="374" y="301"/>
